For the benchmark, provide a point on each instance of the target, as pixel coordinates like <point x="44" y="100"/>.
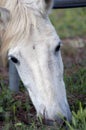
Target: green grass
<point x="78" y="119"/>
<point x="76" y="88"/>
<point x="69" y="22"/>
<point x="76" y="81"/>
<point x="11" y="105"/>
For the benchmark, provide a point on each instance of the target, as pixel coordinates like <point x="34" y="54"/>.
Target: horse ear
<point x="45" y="6"/>
<point x="4" y="15"/>
<point x="49" y="4"/>
<point x="4" y="19"/>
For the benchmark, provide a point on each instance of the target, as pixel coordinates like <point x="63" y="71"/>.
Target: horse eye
<point x="14" y="60"/>
<point x="57" y="48"/>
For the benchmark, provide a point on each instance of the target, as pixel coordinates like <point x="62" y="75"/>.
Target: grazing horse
<point x="33" y="45"/>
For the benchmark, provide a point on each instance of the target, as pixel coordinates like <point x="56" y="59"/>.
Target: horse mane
<point x="18" y="28"/>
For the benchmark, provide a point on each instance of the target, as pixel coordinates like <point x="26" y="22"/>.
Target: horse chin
<point x="59" y="119"/>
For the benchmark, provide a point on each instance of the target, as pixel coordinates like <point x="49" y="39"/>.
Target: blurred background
<point x="70" y="25"/>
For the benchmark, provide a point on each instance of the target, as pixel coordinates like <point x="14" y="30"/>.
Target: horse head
<point x="34" y="48"/>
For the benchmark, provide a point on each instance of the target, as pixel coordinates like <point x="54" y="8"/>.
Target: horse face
<point x="39" y="64"/>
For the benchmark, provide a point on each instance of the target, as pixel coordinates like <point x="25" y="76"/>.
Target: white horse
<point x="33" y="45"/>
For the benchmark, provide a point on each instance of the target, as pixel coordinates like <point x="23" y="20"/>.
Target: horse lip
<point x="48" y="122"/>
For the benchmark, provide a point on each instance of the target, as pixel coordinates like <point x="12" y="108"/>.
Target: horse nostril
<point x="48" y="122"/>
<point x="58" y="122"/>
<point x="61" y="122"/>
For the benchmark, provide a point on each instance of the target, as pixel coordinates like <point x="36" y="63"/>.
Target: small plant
<point x="78" y="119"/>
